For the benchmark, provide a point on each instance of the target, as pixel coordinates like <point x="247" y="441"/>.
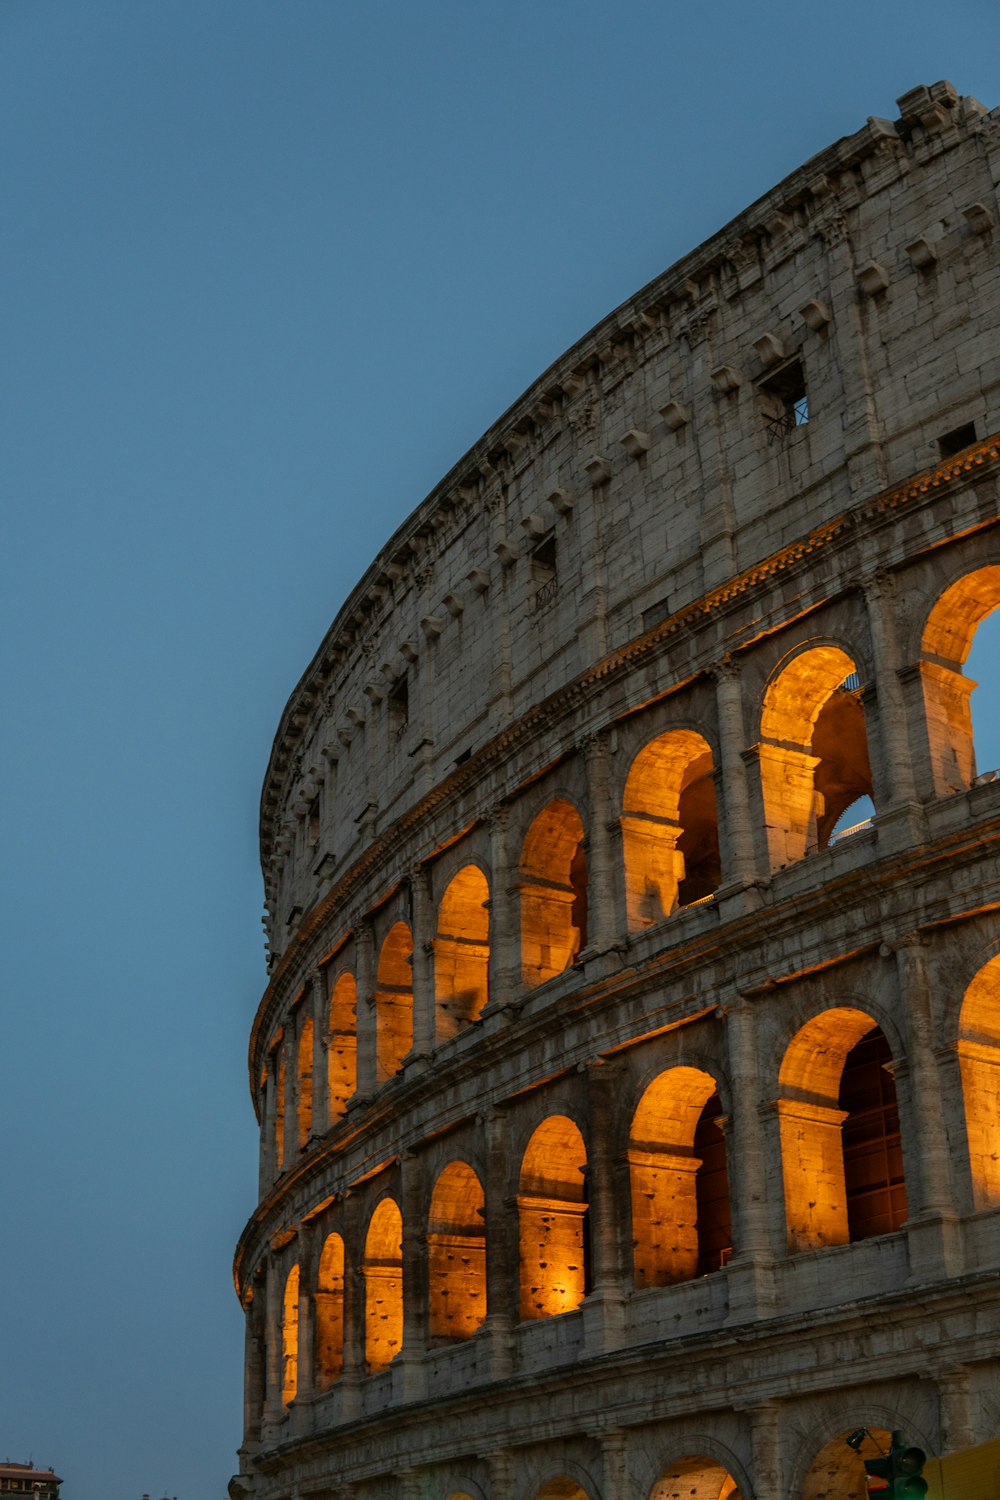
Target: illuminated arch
<point x="383" y="1276"/>
<point x="561" y="1488"/>
<point x="945" y="645"/>
<point x="670" y="836"/>
<point x="342" y="1050"/>
<point x="681" y="1224"/>
<point x="393" y="1002"/>
<point x="552" y="1211"/>
<point x="813" y="752"/>
<point x="304" y="1084"/>
<point x="290" y="1337"/>
<point x="553" y="893"/>
<point x="462" y="952"/>
<point x="329" y="1301"/>
<point x="979" y="1061"/>
<point x="456" y="1254"/>
<point x="696" y="1477"/>
<point x="838" y="1472"/>
<point x="840" y="1148"/>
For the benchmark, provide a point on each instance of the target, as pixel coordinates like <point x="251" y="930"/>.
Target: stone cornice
<point x="735" y="1367"/>
<point x="511" y="744"/>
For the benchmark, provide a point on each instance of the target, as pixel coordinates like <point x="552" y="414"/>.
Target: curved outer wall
<point x="576" y="1176"/>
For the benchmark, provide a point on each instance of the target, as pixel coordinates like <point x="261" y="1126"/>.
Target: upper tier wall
<point x="650" y="464"/>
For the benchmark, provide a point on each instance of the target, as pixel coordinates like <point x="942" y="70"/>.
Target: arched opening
<point x="342" y="1050"/>
<point x="393" y="1002"/>
<point x="813" y="752"/>
<point x="462" y="952"/>
<point x="553" y="893"/>
<point x="948" y="693"/>
<point x="695" y="1478"/>
<point x="290" y="1337"/>
<point x="304" y="1084"/>
<point x="562" y="1488"/>
<point x="383" y="1274"/>
<point x="679" y="1183"/>
<point x="279" y="1115"/>
<point x="456" y="1254"/>
<point x="670" y="833"/>
<point x="840" y="1146"/>
<point x="329" y="1300"/>
<point x="552" y="1209"/>
<point x="979" y="1061"/>
<point x="838" y="1472"/>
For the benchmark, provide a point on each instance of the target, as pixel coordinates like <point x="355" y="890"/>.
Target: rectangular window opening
<point x="543" y="571"/>
<point x="953" y="442"/>
<point x="785" y="400"/>
<point x="312" y="823"/>
<point x="399" y="707"/>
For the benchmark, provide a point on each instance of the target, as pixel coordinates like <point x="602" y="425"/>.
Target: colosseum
<point x="628" y="1073"/>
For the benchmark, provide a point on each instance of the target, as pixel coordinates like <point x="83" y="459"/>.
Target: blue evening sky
<point x="267" y="269"/>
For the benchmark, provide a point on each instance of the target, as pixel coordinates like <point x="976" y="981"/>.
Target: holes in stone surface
<point x="552" y="1217"/>
<point x="953" y="442"/>
<point x="695" y="1478"/>
<point x="456" y="1254"/>
<point x="342" y="1047"/>
<point x="678" y="1178"/>
<point x="383" y="1276"/>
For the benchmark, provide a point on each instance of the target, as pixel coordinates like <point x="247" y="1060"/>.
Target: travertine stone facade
<point x="629" y="1070"/>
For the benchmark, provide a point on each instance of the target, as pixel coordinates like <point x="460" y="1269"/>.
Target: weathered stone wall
<point x="549" y="853"/>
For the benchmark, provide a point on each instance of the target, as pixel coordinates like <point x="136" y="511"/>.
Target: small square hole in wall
<point x="785" y="399"/>
<point x="953" y="442"/>
<point x="399" y="707"/>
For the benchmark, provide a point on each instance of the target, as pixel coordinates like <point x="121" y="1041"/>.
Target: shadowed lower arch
<point x="678" y="1179"/>
<point x="456" y="1254"/>
<point x="840" y="1148"/>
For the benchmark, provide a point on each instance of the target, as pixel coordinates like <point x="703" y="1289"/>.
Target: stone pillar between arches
<point x="364" y="942"/>
<point x="604" y="1307"/>
<point x="758" y="1227"/>
<point x="501" y="1247"/>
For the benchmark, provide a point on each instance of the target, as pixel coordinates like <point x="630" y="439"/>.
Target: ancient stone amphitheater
<point x="629" y="1070"/>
